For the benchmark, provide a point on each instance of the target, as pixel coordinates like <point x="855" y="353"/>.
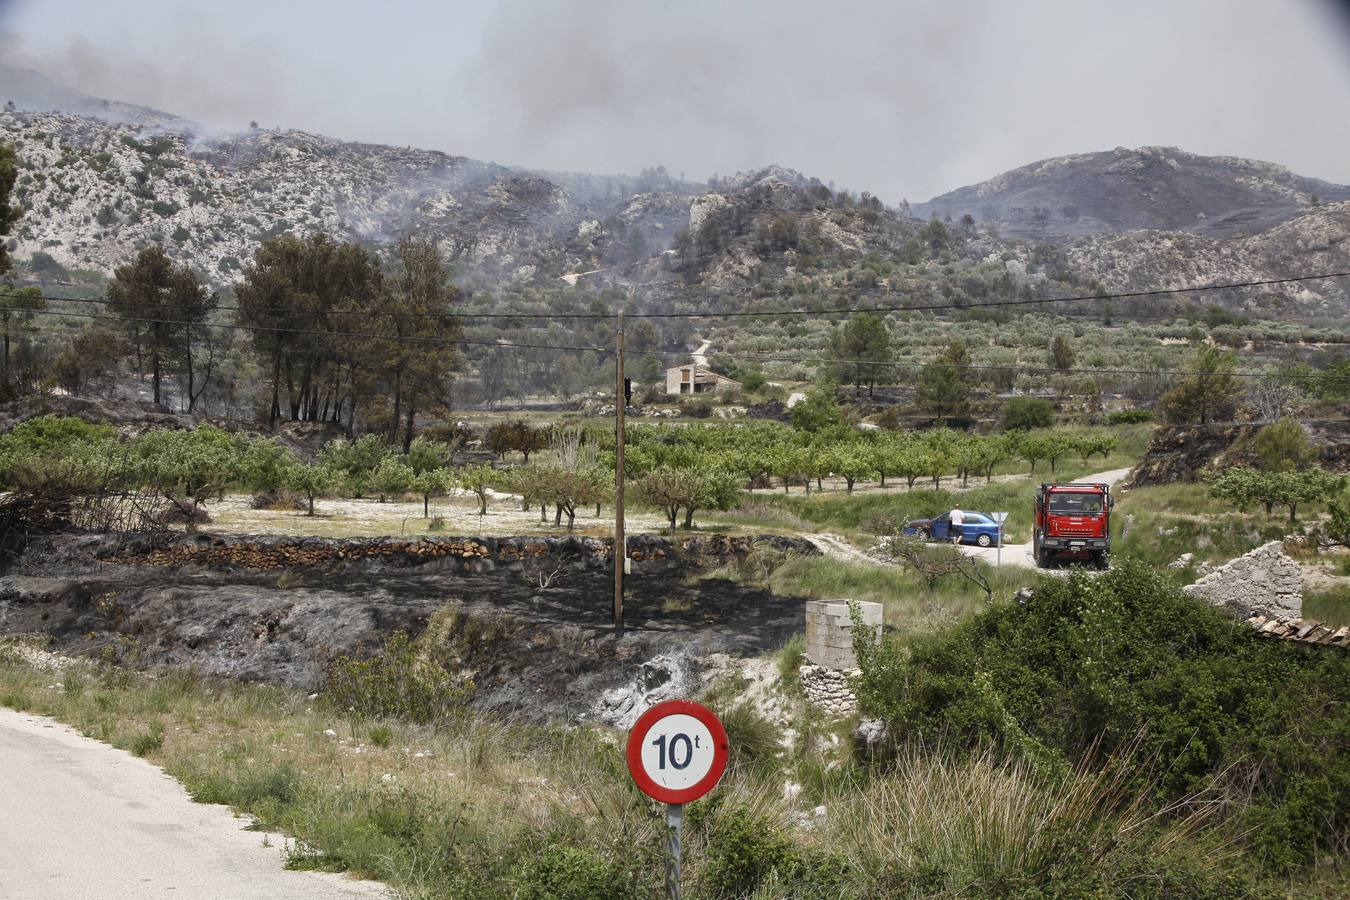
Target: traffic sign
<point x="999" y="518"/>
<point x="677" y="751"/>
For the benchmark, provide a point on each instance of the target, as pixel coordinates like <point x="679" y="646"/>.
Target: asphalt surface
<point x="1020" y="554"/>
<point x="82" y="819"/>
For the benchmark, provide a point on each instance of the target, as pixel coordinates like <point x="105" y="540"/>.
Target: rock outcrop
<point x="1179" y="453"/>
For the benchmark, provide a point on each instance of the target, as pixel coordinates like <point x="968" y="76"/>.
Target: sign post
<point x="999" y="518"/>
<point x="677" y="752"/>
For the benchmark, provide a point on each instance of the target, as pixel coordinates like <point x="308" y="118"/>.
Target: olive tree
<point x="186" y="467"/>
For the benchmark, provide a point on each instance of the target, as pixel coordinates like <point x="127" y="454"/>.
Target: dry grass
<point x="986" y="819"/>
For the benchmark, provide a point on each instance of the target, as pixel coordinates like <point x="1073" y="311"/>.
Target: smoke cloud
<point x="904" y="99"/>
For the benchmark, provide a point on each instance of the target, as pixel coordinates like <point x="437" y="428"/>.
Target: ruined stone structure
<point x="1264" y="581"/>
<point x="1264" y="589"/>
<point x="829" y="653"/>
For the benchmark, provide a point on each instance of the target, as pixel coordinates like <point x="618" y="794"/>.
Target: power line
<point x="322" y="333"/>
<point x="1123" y="295"/>
<point x="103" y="301"/>
<point x="846" y="310"/>
<point x="1020" y="367"/>
<point x="657" y="353"/>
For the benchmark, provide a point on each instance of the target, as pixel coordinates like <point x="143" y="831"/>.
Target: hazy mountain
<point x="101" y="184"/>
<point x="31" y="90"/>
<point x="1126" y="190"/>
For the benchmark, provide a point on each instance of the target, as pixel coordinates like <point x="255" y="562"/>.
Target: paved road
<point x="1020" y="554"/>
<point x="81" y="819"/>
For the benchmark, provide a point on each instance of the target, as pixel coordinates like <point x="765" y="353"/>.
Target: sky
<point x="905" y="99"/>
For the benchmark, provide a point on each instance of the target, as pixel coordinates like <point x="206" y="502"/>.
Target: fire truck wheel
<point x="1102" y="561"/>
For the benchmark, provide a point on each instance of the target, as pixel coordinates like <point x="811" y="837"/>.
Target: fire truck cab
<point x="1073" y="522"/>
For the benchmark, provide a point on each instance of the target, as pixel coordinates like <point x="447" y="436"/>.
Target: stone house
<point x="692" y="378"/>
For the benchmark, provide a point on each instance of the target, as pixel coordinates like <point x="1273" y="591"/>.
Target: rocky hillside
<point x="1125" y="190"/>
<point x="101" y="183"/>
<point x="98" y="191"/>
<point x="1315" y="240"/>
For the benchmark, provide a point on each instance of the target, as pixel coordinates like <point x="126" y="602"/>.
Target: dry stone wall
<point x="829" y="689"/>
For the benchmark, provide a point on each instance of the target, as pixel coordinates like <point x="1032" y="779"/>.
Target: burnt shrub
<point x="1124" y="663"/>
<point x="403" y="681"/>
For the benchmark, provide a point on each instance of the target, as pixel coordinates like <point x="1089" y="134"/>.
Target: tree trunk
<point x="311" y="505"/>
<point x="398" y="402"/>
<point x="426" y="506"/>
<point x="1293" y="512"/>
<point x="276" y="391"/>
<point x="154" y="362"/>
<point x="408" y="433"/>
<point x="6" y="348"/>
<point x="689" y="517"/>
<point x="848" y="485"/>
<point x="557" y="514"/>
<point x="191" y="374"/>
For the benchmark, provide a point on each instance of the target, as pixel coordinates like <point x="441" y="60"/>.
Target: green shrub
<point x="696" y="408"/>
<point x="754" y="740"/>
<point x="250" y="787"/>
<point x="743" y="849"/>
<point x="381" y="735"/>
<point x="148" y="741"/>
<point x="1100" y="665"/>
<point x="48" y="438"/>
<point x="1129" y="417"/>
<point x="574" y="873"/>
<point x="1024" y="413"/>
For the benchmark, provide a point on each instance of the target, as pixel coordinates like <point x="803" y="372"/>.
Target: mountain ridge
<point x="98" y="190"/>
<point x="1147" y="188"/>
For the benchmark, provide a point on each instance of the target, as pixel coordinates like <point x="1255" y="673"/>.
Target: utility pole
<point x="620" y="544"/>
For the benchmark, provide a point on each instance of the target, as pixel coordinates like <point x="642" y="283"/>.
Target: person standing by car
<point x="955" y="520"/>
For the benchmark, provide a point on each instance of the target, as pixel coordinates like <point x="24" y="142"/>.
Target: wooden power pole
<point x="620" y="546"/>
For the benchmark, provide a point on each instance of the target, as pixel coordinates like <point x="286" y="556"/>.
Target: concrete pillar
<point x="829" y="632"/>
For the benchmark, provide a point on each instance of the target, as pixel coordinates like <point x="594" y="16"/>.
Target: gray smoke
<point x="905" y="99"/>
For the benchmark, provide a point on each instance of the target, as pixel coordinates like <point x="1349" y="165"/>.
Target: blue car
<point x="976" y="528"/>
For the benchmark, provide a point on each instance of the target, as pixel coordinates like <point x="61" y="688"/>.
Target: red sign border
<point x="644" y="724"/>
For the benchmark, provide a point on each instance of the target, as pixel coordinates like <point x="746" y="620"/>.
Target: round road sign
<point x="677" y="751"/>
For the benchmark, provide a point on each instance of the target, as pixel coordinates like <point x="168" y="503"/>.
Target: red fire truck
<point x="1073" y="522"/>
